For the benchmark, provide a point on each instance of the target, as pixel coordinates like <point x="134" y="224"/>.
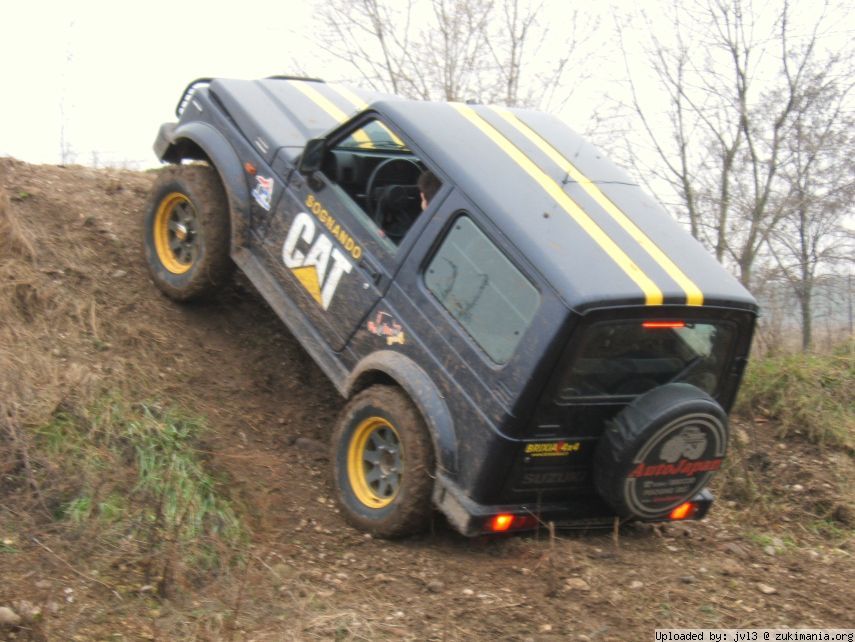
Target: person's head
<point x="428" y="186"/>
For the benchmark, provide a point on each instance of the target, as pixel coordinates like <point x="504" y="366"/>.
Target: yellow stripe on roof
<point x="360" y="104"/>
<point x="348" y="95"/>
<point x="328" y="106"/>
<point x="694" y="295"/>
<point x="652" y="293"/>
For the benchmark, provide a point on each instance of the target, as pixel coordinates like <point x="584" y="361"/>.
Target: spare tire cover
<point x="660" y="450"/>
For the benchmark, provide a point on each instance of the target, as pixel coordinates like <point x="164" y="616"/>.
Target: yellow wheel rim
<point x="175" y="237"/>
<point x="375" y="462"/>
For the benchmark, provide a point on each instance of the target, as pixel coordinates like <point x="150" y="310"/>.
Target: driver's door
<point x="326" y="240"/>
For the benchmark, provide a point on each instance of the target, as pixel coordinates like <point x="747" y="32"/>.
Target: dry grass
<point x="84" y="473"/>
<point x="15" y="237"/>
<point x="805" y="394"/>
<point x="81" y="346"/>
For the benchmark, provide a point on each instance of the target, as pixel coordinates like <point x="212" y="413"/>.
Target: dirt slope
<point x="76" y="306"/>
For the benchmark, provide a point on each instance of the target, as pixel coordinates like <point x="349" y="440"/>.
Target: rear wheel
<point x="186" y="233"/>
<point x="383" y="462"/>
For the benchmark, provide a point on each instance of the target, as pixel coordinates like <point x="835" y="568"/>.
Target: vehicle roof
<point x="582" y="222"/>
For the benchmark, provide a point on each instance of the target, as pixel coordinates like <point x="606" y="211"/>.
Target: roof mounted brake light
<point x="659" y="325"/>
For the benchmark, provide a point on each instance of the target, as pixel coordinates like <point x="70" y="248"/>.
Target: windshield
<point x="374" y="135"/>
<point x="628" y="358"/>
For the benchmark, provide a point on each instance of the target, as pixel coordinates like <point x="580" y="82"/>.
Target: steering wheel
<point x="390" y="189"/>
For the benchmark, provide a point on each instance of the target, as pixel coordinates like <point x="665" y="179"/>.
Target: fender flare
<point x="387" y="364"/>
<point x="219" y="153"/>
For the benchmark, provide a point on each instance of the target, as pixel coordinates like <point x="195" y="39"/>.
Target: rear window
<point x="622" y="358"/>
<point x="482" y="289"/>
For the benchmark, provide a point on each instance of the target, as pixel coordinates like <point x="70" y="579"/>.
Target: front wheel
<point x="383" y="463"/>
<point x="186" y="235"/>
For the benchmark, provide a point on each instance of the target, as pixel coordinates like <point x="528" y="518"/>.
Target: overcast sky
<point x="103" y="75"/>
<point x="111" y="72"/>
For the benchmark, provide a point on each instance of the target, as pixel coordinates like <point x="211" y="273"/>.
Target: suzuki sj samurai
<point x="540" y="342"/>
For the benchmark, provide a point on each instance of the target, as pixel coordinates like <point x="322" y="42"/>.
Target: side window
<point x="482" y="289"/>
<point x="377" y="177"/>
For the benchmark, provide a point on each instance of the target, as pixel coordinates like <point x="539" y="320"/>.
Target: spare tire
<point x="660" y="451"/>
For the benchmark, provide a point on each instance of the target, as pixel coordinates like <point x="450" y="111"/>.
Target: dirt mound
<point x="78" y="315"/>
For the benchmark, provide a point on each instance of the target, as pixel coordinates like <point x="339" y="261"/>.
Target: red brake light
<point x="683" y="511"/>
<point x="658" y="325"/>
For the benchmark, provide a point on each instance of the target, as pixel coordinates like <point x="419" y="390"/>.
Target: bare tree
<point x="727" y="136"/>
<point x="456" y="50"/>
<point x="819" y="174"/>
<point x="451" y="46"/>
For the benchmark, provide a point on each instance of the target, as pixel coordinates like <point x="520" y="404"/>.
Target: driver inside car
<point x="428" y="187"/>
<point x="398" y="214"/>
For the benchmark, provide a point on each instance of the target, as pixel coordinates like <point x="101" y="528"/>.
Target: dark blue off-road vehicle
<point x="541" y="341"/>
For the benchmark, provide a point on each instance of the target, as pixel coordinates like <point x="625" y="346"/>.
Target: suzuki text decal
<point x="310" y="255"/>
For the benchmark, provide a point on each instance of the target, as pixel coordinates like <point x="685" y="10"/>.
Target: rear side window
<point x="482" y="289"/>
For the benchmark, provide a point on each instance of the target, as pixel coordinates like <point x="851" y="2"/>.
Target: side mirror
<point x="313" y="156"/>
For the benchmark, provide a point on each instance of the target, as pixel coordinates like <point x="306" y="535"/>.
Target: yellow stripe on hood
<point x="328" y="106"/>
<point x="360" y="104"/>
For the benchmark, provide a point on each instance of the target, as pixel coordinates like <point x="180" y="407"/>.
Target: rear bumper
<point x="472" y="518"/>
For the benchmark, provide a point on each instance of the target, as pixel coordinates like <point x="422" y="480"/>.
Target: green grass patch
<point x="759" y="538"/>
<point x="777" y="541"/>
<point x="831" y="530"/>
<point x="809" y="395"/>
<point x="136" y="473"/>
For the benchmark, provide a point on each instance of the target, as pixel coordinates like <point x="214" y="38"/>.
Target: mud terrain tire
<point x="383" y="462"/>
<point x="186" y="233"/>
<point x="660" y="451"/>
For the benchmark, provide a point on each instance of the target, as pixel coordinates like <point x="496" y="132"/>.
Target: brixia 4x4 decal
<point x="552" y="449"/>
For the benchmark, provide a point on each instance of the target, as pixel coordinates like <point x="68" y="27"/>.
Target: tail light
<point x="686" y="510"/>
<point x="509" y="522"/>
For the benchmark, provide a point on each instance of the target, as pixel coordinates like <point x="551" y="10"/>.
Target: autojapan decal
<point x="675" y="463"/>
